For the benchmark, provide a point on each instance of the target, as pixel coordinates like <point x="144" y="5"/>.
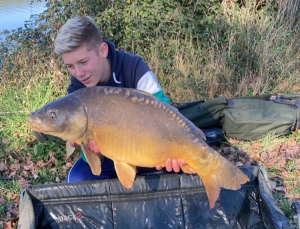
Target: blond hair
<point x="75" y="32"/>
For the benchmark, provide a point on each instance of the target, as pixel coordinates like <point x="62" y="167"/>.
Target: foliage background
<point x="197" y="49"/>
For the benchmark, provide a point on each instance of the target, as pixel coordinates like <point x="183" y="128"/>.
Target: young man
<point x="92" y="61"/>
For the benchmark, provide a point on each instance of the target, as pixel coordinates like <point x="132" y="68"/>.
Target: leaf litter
<point x="24" y="171"/>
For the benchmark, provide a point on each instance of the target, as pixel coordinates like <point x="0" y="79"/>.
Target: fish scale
<point x="133" y="128"/>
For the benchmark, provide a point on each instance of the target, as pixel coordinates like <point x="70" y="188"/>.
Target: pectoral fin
<point x="69" y="149"/>
<point x="93" y="160"/>
<point x="126" y="173"/>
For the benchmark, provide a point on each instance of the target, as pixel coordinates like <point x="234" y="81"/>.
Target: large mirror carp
<point x="133" y="128"/>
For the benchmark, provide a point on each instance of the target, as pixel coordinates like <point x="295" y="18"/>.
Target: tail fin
<point x="225" y="176"/>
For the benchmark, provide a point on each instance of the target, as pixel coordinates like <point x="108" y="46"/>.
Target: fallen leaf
<point x="69" y="164"/>
<point x="24" y="173"/>
<point x="5" y="141"/>
<point x="12" y="211"/>
<point x="15" y="197"/>
<point x="281" y="163"/>
<point x="9" y="195"/>
<point x="293" y="196"/>
<point x="264" y="155"/>
<point x="3" y="167"/>
<point x="288" y="187"/>
<point x="272" y="185"/>
<point x="276" y="152"/>
<point x="53" y="170"/>
<point x="35" y="174"/>
<point x="296" y="184"/>
<point x="238" y="164"/>
<point x="27" y="167"/>
<point x="12" y="174"/>
<point x="6" y="225"/>
<point x="2" y="200"/>
<point x="285" y="174"/>
<point x="40" y="163"/>
<point x="14" y="167"/>
<point x="226" y="149"/>
<point x="233" y="141"/>
<point x="23" y="183"/>
<point x="280" y="188"/>
<point x="256" y="146"/>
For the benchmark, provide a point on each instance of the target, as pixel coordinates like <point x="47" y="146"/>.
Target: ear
<point x="103" y="49"/>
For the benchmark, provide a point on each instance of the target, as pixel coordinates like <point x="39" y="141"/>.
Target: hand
<point x="73" y="144"/>
<point x="91" y="145"/>
<point x="172" y="164"/>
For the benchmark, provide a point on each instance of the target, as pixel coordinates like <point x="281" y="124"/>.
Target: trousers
<point x="81" y="171"/>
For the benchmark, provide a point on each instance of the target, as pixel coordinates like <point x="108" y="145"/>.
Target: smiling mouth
<point x="85" y="80"/>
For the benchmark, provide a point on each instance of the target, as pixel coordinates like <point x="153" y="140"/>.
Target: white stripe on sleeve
<point x="149" y="83"/>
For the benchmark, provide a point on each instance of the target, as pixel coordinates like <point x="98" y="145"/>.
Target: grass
<point x="254" y="58"/>
<point x="8" y="190"/>
<point x="254" y="52"/>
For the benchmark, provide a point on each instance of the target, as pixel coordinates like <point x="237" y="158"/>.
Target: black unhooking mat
<point x="155" y="201"/>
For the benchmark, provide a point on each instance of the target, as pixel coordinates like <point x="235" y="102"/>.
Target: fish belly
<point x="148" y="149"/>
<point x="135" y="148"/>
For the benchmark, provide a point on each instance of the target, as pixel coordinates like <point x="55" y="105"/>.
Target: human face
<point x="89" y="67"/>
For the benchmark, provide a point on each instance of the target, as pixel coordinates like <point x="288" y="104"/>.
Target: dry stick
<point x="13" y="112"/>
<point x="10" y="178"/>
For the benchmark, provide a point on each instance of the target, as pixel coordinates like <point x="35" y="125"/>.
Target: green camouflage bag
<point x="204" y="114"/>
<point x="246" y="118"/>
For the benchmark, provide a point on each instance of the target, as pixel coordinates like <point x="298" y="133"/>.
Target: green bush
<point x="197" y="49"/>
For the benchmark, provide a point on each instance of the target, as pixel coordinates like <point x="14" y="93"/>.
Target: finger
<point x="158" y="167"/>
<point x="169" y="165"/>
<point x="93" y="146"/>
<point x="73" y="144"/>
<point x="175" y="166"/>
<point x="181" y="162"/>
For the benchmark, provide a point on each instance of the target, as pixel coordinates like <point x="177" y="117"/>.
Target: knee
<point x="81" y="171"/>
<point x="78" y="172"/>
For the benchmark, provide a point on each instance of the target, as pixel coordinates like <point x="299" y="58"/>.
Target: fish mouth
<point x="35" y="126"/>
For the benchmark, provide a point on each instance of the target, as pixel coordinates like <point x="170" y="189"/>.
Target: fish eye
<point x="52" y="114"/>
